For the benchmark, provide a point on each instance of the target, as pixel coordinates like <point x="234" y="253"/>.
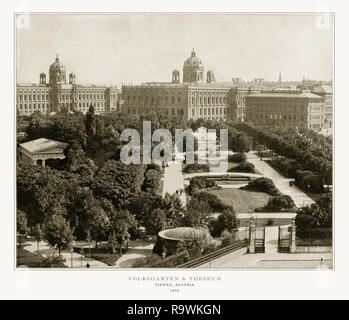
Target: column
<point x="293" y="237"/>
<point x="252" y="235"/>
<point x="43" y="163"/>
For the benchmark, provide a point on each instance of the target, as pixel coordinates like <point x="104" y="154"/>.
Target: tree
<point x="76" y="161"/>
<point x="118" y="182"/>
<point x="152" y="181"/>
<point x="173" y="207"/>
<point x="38" y="234"/>
<point x="119" y="223"/>
<point x="197" y="215"/>
<point x="240" y="143"/>
<point x="22" y="225"/>
<point x="90" y="122"/>
<point x="58" y="233"/>
<point x="227" y="220"/>
<point x="155" y="221"/>
<point x="325" y="202"/>
<point x="313" y="217"/>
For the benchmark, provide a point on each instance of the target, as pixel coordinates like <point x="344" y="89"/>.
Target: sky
<point x="134" y="48"/>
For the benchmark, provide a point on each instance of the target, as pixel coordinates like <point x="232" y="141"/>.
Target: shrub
<point x="212" y="200"/>
<point x="227" y="239"/>
<point x="286" y="166"/>
<point x="308" y="181"/>
<point x="210" y="248"/>
<point x="56" y="261"/>
<point x="151" y="181"/>
<point x="270" y="222"/>
<point x="146" y="261"/>
<point x="195" y="167"/>
<point x="313" y="217"/>
<point x="262" y="185"/>
<point x="237" y="157"/>
<point x="198" y="183"/>
<point x="278" y="203"/>
<point x="154" y="166"/>
<point x="244" y="166"/>
<point x="226" y="221"/>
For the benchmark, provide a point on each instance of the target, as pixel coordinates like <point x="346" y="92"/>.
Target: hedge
<point x="237" y="157"/>
<point x="262" y="185"/>
<point x="244" y="166"/>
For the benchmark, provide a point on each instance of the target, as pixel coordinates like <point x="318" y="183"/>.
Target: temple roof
<point x="42" y="144"/>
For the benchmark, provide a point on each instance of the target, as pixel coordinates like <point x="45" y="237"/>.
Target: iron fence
<point x="314" y="237"/>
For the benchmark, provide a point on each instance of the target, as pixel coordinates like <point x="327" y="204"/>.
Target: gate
<point x="284" y="239"/>
<point x="259" y="241"/>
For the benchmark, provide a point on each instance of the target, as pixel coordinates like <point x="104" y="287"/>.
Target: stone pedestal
<point x="252" y="235"/>
<point x="293" y="237"/>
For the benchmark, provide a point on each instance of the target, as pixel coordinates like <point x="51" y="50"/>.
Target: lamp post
<point x="82" y="254"/>
<point x="71" y="257"/>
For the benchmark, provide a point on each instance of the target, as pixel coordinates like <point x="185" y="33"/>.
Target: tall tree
<point x="22" y="225"/>
<point x="58" y="233"/>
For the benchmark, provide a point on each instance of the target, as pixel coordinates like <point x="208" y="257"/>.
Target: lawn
<point x="243" y="201"/>
<point x="214" y="166"/>
<point x="262" y="222"/>
<point x="27" y="258"/>
<point x="102" y="254"/>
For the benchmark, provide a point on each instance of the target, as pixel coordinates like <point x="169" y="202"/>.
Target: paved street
<point x="78" y="260"/>
<point x="173" y="180"/>
<point x="273" y="260"/>
<point x="282" y="183"/>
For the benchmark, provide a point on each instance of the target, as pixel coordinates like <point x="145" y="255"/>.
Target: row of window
<point x="34" y="97"/>
<point x="262" y="107"/>
<point x="210" y="111"/>
<point x="64" y="97"/>
<point x="174" y="112"/>
<point x="208" y="100"/>
<point x="276" y="116"/>
<point x="35" y="106"/>
<point x="154" y="101"/>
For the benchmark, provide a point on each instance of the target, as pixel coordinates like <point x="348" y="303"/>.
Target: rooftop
<point x="285" y="95"/>
<point x="42" y="144"/>
<point x="322" y="89"/>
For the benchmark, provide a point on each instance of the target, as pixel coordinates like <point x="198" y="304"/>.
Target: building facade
<point x="193" y="98"/>
<point x="62" y="93"/>
<point x="293" y="109"/>
<point x="325" y="91"/>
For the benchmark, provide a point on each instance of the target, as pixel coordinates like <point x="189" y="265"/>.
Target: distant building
<point x="326" y="92"/>
<point x="40" y="150"/>
<point x="61" y="93"/>
<point x="193" y="98"/>
<point x="288" y="109"/>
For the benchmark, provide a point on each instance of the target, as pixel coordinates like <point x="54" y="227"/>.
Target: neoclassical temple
<point x="38" y="151"/>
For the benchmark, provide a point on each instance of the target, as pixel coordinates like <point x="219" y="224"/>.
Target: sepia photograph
<point x="174" y="141"/>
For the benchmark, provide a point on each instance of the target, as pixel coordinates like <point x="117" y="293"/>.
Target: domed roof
<point x="56" y="66"/>
<point x="193" y="61"/>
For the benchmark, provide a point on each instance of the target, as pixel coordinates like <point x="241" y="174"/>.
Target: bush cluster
<point x="309" y="181"/>
<point x="56" y="261"/>
<point x="262" y="185"/>
<point x="278" y="204"/>
<point x="244" y="166"/>
<point x="237" y="157"/>
<point x="195" y="168"/>
<point x="199" y="183"/>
